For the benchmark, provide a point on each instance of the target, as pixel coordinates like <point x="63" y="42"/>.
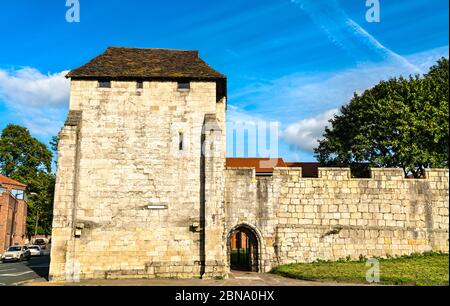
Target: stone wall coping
<point x="340" y="169"/>
<point x="240" y="168"/>
<point x="334" y="168"/>
<point x="356" y="227"/>
<point x="321" y="170"/>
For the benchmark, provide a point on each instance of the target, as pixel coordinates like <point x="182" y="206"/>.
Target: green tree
<point x="54" y="147"/>
<point x="398" y="123"/>
<point x="27" y="160"/>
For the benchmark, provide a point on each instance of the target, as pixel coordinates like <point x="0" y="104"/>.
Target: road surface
<point x="13" y="273"/>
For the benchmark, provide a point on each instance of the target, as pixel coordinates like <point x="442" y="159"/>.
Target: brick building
<point x="13" y="213"/>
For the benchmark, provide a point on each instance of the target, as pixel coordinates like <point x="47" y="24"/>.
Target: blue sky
<point x="292" y="62"/>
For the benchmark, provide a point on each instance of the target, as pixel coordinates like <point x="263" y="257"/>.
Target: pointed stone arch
<point x="253" y="260"/>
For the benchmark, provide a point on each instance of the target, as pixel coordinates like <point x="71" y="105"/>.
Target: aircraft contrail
<point x="349" y="35"/>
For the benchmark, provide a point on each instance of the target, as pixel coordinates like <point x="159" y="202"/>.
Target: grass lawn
<point x="428" y="269"/>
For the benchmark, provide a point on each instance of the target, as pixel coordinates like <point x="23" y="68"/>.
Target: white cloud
<point x="35" y="100"/>
<point x="236" y="115"/>
<point x="301" y="95"/>
<point x="251" y="135"/>
<point x="27" y="87"/>
<point x="296" y="100"/>
<point x="43" y="127"/>
<point x="337" y="90"/>
<point x="424" y="60"/>
<point x="304" y="134"/>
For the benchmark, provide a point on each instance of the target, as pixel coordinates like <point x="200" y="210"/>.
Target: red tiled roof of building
<point x="8" y="181"/>
<point x="262" y="165"/>
<point x="266" y="165"/>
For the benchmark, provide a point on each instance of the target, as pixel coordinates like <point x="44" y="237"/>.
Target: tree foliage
<point x="54" y="147"/>
<point x="27" y="160"/>
<point x="402" y="122"/>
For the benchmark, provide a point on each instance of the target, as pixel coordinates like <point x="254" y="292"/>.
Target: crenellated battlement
<point x="384" y="214"/>
<point x="144" y="188"/>
<point x="345" y="173"/>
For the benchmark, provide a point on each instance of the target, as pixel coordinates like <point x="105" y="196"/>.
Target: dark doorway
<point x="243" y="246"/>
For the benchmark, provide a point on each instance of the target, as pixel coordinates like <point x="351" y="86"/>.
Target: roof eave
<point x="145" y="78"/>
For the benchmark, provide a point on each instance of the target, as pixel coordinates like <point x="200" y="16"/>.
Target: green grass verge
<point x="427" y="269"/>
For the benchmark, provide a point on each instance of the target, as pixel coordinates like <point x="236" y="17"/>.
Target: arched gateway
<point x="244" y="244"/>
<point x="149" y="126"/>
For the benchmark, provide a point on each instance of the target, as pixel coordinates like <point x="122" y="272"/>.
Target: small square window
<point x="104" y="84"/>
<point x="184" y="86"/>
<point x="140" y="85"/>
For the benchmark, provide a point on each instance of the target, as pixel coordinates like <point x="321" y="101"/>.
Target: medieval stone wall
<point x="129" y="203"/>
<point x="334" y="216"/>
<point x="124" y="183"/>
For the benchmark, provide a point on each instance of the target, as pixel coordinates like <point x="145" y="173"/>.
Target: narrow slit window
<point x="184" y="86"/>
<point x="181" y="141"/>
<point x="140" y="85"/>
<point x="104" y="84"/>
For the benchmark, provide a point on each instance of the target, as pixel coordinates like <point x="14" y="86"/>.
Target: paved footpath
<point x="235" y="279"/>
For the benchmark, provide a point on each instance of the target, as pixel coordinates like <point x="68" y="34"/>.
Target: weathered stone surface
<point x="334" y="216"/>
<point x="121" y="156"/>
<point x="147" y="209"/>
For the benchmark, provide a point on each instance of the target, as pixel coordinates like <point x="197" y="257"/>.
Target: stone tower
<point x="144" y="190"/>
<point x="140" y="178"/>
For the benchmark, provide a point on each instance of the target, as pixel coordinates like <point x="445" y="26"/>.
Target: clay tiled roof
<point x="261" y="165"/>
<point x="134" y="63"/>
<point x="265" y="165"/>
<point x="8" y="181"/>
